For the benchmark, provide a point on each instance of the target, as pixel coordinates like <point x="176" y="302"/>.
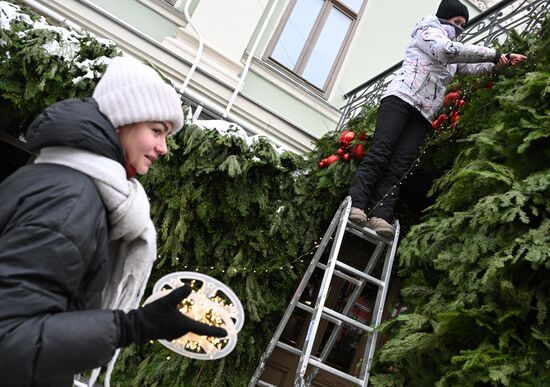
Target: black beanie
<point x="451" y="8"/>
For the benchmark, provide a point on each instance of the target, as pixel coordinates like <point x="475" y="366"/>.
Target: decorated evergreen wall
<point x="476" y="261"/>
<point x="478" y="265"/>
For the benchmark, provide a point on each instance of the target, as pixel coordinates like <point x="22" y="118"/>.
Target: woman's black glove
<point x="161" y="319"/>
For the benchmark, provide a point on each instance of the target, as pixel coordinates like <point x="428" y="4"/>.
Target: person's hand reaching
<point x="510" y="59"/>
<point x="516" y="59"/>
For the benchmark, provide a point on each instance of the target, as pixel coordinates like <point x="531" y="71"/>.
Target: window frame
<point x="165" y="9"/>
<point x="305" y="56"/>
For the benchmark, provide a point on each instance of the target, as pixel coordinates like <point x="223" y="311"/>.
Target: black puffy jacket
<point x="54" y="256"/>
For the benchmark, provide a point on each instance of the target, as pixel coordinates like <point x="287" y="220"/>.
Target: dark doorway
<point x="13" y="155"/>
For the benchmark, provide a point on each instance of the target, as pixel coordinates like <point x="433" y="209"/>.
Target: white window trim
<point x="276" y="75"/>
<point x="166" y="10"/>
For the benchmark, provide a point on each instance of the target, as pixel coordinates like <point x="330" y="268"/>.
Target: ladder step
<point x="347" y="320"/>
<point x="309" y="309"/>
<point x="315" y="361"/>
<point x="289" y="348"/>
<point x="261" y="383"/>
<point x="366" y="233"/>
<point x="335" y="317"/>
<point x="359" y="273"/>
<point x="293" y="350"/>
<point x="338" y="273"/>
<point x="334" y="371"/>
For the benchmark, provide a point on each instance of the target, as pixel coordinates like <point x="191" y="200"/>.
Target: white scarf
<point x="131" y="232"/>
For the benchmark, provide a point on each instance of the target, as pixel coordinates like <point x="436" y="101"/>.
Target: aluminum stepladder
<point x="336" y="230"/>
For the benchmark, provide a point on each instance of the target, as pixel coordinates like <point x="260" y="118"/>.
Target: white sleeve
<point x="435" y="42"/>
<point x="475" y="68"/>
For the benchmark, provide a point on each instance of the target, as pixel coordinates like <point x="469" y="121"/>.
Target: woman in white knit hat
<point x="76" y="240"/>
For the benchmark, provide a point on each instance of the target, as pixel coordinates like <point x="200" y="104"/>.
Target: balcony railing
<point x="491" y="26"/>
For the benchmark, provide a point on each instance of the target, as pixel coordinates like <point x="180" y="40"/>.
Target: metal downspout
<point x="194" y="96"/>
<point x="201" y="44"/>
<point x="249" y="59"/>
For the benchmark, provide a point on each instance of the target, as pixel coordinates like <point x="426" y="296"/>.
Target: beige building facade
<point x="278" y="68"/>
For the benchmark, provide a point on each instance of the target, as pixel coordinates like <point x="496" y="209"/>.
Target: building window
<point x="313" y="36"/>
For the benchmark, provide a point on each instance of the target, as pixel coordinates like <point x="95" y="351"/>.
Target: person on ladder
<point x="409" y="105"/>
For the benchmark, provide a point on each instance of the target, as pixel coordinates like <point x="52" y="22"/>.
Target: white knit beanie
<point x="131" y="92"/>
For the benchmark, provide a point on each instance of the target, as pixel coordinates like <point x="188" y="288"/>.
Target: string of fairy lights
<point x="254" y="269"/>
<point x="300" y="259"/>
<point x="407" y="174"/>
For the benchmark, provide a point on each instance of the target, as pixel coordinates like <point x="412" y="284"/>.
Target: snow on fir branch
<point x="65" y="42"/>
<point x="42" y="64"/>
<point x="230" y="128"/>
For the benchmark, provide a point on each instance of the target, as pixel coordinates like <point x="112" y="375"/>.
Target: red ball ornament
<point x="454" y="120"/>
<point x="331" y="160"/>
<point x="358" y="152"/>
<point x="346" y="137"/>
<point x="346" y="156"/>
<point x="451" y="98"/>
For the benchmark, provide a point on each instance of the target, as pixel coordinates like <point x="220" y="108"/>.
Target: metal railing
<point x="487" y="28"/>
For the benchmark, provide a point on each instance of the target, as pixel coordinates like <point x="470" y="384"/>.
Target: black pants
<point x="400" y="130"/>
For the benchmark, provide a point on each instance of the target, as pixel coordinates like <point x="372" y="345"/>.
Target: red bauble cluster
<point x="452" y="104"/>
<point x="350" y="146"/>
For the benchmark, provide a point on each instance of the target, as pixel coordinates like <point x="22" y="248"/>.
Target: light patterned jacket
<point x="431" y="60"/>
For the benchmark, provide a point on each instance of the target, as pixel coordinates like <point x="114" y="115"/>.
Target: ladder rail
<point x="297" y="294"/>
<point x="323" y="291"/>
<point x="379" y="309"/>
<point x="373" y="260"/>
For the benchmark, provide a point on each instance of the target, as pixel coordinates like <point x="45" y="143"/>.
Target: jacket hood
<point x="432" y="21"/>
<point x="75" y="123"/>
